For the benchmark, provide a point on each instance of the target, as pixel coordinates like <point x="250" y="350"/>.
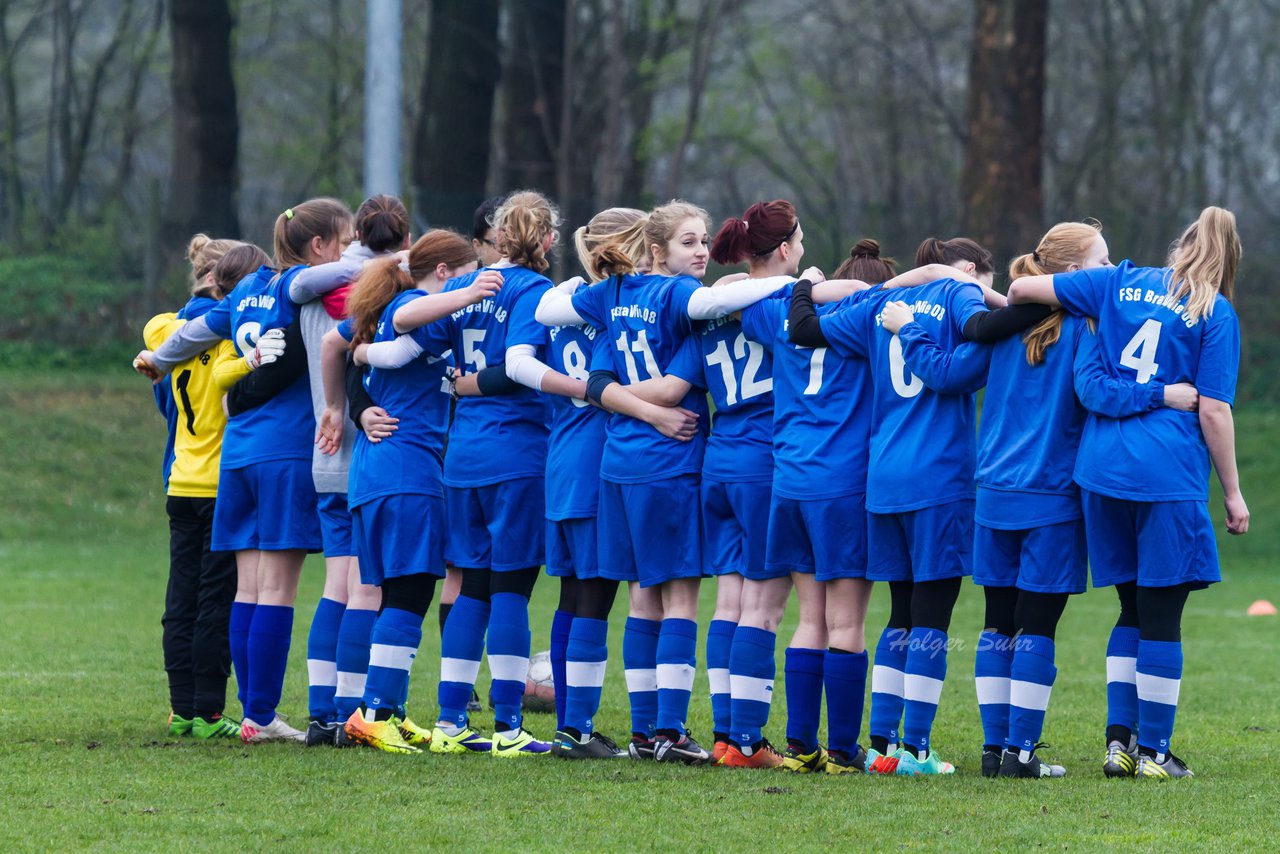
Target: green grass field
<point x="84" y="762"/>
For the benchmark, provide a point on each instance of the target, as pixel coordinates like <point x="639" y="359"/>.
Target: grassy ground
<point x="84" y="764"/>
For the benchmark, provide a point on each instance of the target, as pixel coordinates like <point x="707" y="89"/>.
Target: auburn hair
<point x="382" y="223"/>
<point x="612" y="243"/>
<point x="866" y="265"/>
<point x="522" y="223"/>
<point x="1063" y="245"/>
<point x="933" y="250"/>
<point x="240" y="261"/>
<point x="761" y="230"/>
<point x="439" y="246"/>
<point x="324" y="217"/>
<point x="1204" y="261"/>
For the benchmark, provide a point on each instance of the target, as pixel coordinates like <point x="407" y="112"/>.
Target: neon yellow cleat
<point x="413" y="734"/>
<point x="469" y="740"/>
<point x="382" y="735"/>
<point x="518" y="742"/>
<point x="804" y="763"/>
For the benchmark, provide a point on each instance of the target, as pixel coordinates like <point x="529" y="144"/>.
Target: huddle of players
<point x="843" y="452"/>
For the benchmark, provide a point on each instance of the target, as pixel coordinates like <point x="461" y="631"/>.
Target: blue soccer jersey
<point x="821" y="416"/>
<point x="284" y="427"/>
<point x="577" y="436"/>
<point x="410" y="460"/>
<point x="645" y="320"/>
<point x="500" y="438"/>
<point x="738" y="372"/>
<point x="1144" y="335"/>
<point x="923" y="444"/>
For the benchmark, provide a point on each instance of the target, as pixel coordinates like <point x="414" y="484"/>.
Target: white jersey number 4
<point x="1140" y="353"/>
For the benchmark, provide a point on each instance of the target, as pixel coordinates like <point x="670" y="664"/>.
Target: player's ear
<point x="442" y="271"/>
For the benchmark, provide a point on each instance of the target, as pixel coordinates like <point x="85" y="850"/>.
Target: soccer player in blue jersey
<point x="396" y="490"/>
<point x="919" y="483"/>
<point x="1029" y="552"/>
<point x="649" y="509"/>
<point x="816" y="532"/>
<point x="495" y="491"/>
<point x="1144" y="479"/>
<point x="266" y="511"/>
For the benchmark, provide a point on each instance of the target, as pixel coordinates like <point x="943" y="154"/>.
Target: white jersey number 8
<point x="1140" y="353"/>
<point x="575" y="365"/>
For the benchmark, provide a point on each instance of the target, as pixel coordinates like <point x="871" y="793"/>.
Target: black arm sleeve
<point x="358" y="399"/>
<point x="269" y="380"/>
<point x="802" y="318"/>
<point x="493" y="381"/>
<point x="988" y="327"/>
<point x="597" y="383"/>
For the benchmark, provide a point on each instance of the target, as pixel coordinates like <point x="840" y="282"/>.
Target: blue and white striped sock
<point x="922" y="686"/>
<point x="394" y="645"/>
<point x="1159" y="680"/>
<point x="887" y="675"/>
<point x="509" y="641"/>
<point x="803" y="676"/>
<point x="241" y="619"/>
<point x="676" y="665"/>
<point x="719" y="647"/>
<point x="640" y="661"/>
<point x="322" y="659"/>
<point x="561" y="626"/>
<point x="991" y="667"/>
<point x="586" y="656"/>
<point x="1122" y="681"/>
<point x="751" y="673"/>
<point x="269" y="638"/>
<point x="460" y="652"/>
<point x="353" y="659"/>
<point x="844" y="677"/>
<point x="1031" y="683"/>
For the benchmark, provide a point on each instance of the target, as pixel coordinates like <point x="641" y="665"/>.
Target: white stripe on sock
<point x="459" y="670"/>
<point x="584" y="674"/>
<point x="509" y="668"/>
<point x="751" y="688"/>
<point x="678" y="677"/>
<point x="1158" y="689"/>
<point x="321" y="672"/>
<point x="921" y="689"/>
<point x="1121" y="668"/>
<point x="350" y="684"/>
<point x="391" y="657"/>
<point x="719" y="678"/>
<point x="1029" y="695"/>
<point x="641" y="680"/>
<point x="992" y="690"/>
<point x="886" y="680"/>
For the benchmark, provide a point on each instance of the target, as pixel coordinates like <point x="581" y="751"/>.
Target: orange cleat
<point x="763" y="756"/>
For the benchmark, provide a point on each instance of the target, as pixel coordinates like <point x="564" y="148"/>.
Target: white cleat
<point x="277" y="730"/>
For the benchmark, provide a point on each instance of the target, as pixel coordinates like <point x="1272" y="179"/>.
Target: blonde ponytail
<point x="612" y="243"/>
<point x="522" y="223"/>
<point x="1203" y="264"/>
<point x="1062" y="246"/>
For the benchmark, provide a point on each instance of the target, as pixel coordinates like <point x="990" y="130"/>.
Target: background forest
<point x="127" y="125"/>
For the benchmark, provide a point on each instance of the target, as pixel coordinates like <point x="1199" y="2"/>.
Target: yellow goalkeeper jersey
<point x="198" y="385"/>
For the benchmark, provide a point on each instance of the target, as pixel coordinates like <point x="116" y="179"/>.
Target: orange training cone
<point x="1261" y="608"/>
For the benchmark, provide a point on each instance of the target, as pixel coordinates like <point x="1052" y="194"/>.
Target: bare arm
<point x="1218" y="425"/>
<point x="673" y="422"/>
<point x="661" y="391"/>
<point x="1033" y="289"/>
<point x="430" y="308"/>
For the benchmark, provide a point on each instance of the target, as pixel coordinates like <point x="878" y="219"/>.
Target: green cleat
<point x="178" y="725"/>
<point x="214" y="728"/>
<point x="885" y="764"/>
<point x="910" y="766"/>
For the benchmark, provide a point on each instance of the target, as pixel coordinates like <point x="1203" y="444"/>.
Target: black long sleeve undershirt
<point x="803" y="326"/>
<point x="988" y="327"/>
<point x="269" y="380"/>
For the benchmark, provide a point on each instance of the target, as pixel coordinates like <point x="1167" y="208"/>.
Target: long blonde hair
<point x="1203" y="263"/>
<point x="522" y="222"/>
<point x="611" y="243"/>
<point x="1063" y="245"/>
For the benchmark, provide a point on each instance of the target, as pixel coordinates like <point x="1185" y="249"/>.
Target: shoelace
<point x="608" y="742"/>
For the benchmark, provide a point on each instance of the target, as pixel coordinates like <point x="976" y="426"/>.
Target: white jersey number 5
<point x="1140" y="353"/>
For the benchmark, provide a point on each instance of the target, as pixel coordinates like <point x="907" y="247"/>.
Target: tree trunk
<point x="203" y="181"/>
<point x="532" y="86"/>
<point x="451" y="136"/>
<point x="1001" y="185"/>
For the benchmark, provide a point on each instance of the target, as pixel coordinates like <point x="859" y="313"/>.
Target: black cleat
<point x="322" y="734"/>
<point x="641" y="748"/>
<point x="685" y="750"/>
<point x="990" y="762"/>
<point x="593" y="746"/>
<point x="473" y="705"/>
<point x="1033" y="769"/>
<point x="1121" y="761"/>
